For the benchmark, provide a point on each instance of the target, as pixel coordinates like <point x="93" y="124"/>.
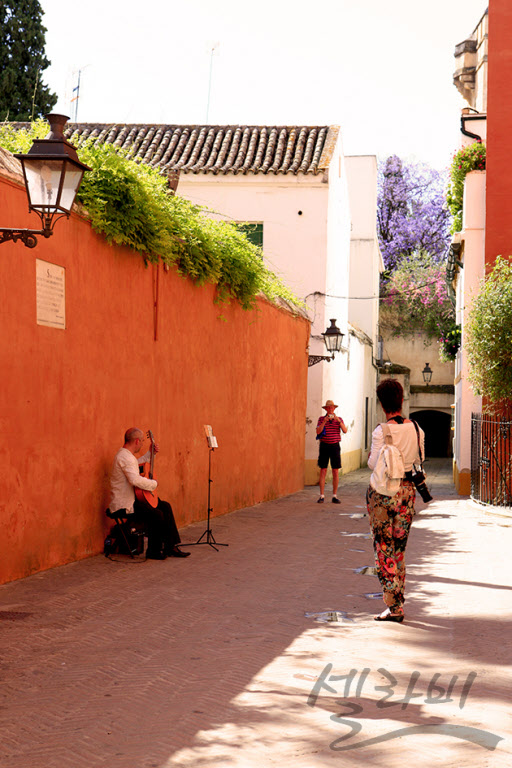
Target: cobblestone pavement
<point x="212" y="661"/>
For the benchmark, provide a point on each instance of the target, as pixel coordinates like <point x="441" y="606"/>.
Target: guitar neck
<point x="152" y="454"/>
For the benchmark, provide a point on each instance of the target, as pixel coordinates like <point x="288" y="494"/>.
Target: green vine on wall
<point x="471" y="158"/>
<point x="130" y="204"/>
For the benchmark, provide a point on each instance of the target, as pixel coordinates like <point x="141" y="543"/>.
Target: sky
<point x="381" y="70"/>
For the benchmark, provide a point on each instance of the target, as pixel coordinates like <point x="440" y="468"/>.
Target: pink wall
<point x="68" y="395"/>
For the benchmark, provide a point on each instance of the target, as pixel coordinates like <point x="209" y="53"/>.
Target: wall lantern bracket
<point x="27" y="236"/>
<point x="314" y="359"/>
<point x="333" y="339"/>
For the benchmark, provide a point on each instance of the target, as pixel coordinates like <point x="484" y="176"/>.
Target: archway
<point x="438" y="433"/>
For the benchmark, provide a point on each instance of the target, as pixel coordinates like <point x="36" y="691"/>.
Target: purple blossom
<point x="411" y="212"/>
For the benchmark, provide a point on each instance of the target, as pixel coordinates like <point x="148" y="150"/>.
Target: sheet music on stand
<point x="212" y="440"/>
<point x="210" y="539"/>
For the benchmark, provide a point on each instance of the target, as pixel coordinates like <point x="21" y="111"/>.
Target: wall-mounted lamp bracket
<point x="27" y="236"/>
<point x="314" y="359"/>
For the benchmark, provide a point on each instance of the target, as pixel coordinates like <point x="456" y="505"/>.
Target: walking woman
<point x="391" y="516"/>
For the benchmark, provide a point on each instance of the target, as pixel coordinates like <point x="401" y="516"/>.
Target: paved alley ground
<point x="219" y="661"/>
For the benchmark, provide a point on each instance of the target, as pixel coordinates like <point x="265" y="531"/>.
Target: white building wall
<point x="468" y="283"/>
<point x="365" y="261"/>
<point x="306" y="241"/>
<point x="294" y="243"/>
<point x="415" y="351"/>
<point x="334" y="376"/>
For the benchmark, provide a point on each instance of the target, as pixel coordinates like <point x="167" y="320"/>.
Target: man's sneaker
<point x="335" y="500"/>
<point x="321" y="500"/>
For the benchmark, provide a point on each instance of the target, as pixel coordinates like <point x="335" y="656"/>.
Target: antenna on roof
<point x="76" y="94"/>
<point x="212" y="50"/>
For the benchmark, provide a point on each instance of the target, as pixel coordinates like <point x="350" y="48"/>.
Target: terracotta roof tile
<point x="220" y="149"/>
<point x="10" y="164"/>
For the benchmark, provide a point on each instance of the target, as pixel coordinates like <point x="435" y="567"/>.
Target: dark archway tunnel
<point x="438" y="433"/>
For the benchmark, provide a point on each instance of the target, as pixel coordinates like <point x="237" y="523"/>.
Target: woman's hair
<point x="391" y="395"/>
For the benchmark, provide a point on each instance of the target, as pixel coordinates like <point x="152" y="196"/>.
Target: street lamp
<point x="52" y="174"/>
<point x="333" y="339"/>
<point x="427" y="374"/>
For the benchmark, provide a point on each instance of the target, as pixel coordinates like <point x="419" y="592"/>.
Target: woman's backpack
<point x="390" y="469"/>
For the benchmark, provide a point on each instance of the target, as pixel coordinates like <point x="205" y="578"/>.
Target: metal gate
<point x="491" y="460"/>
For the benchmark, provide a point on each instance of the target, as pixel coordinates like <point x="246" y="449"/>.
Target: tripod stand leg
<point x="208" y="532"/>
<point x="212" y="539"/>
<point x="205" y="533"/>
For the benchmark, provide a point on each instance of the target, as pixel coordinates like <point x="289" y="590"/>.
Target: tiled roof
<point x="218" y="149"/>
<point x="10" y="164"/>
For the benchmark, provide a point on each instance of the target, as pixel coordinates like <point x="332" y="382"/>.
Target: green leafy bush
<point x="488" y="335"/>
<point x="471" y="158"/>
<point x="130" y="204"/>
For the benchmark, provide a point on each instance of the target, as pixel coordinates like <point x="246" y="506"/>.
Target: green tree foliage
<point x="22" y="61"/>
<point x="130" y="204"/>
<point x="471" y="158"/>
<point x="488" y="335"/>
<point x="416" y="298"/>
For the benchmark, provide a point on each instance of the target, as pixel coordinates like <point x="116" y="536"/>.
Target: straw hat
<point x="328" y="403"/>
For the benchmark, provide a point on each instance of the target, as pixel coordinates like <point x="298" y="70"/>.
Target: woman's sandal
<point x="388" y="616"/>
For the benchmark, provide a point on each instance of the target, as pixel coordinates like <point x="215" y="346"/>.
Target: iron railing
<point x="491" y="460"/>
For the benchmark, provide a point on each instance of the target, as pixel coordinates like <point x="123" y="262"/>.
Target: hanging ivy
<point x="130" y="205"/>
<point x="449" y="343"/>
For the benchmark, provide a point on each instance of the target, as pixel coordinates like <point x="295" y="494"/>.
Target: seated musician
<point x="163" y="536"/>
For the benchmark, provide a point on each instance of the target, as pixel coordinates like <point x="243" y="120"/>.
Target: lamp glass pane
<point x="333" y="341"/>
<point x="43" y="179"/>
<point x="72" y="180"/>
<point x="330" y="342"/>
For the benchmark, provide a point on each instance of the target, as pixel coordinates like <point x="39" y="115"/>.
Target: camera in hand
<point x="418" y="478"/>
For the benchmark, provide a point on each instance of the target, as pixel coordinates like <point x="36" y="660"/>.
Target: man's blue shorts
<point x="329" y="452"/>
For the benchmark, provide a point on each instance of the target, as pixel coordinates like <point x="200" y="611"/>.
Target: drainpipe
<point x="474" y="136"/>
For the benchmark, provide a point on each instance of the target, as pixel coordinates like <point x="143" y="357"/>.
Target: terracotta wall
<point x="68" y="395"/>
<point x="499" y="130"/>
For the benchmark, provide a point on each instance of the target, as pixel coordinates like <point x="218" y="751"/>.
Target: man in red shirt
<point x="328" y="431"/>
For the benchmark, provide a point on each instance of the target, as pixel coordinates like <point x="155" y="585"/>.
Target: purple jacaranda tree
<point x="412" y="215"/>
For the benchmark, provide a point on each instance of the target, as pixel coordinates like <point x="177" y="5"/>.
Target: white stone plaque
<point x="51" y="294"/>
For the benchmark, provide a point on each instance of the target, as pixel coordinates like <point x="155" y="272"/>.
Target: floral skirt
<point x="390" y="521"/>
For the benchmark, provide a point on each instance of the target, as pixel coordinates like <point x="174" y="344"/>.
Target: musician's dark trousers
<point x="160" y="526"/>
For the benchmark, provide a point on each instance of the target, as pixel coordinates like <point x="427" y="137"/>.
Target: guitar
<point x="147" y="470"/>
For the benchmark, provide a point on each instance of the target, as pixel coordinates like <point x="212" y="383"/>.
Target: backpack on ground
<point x="390" y="469"/>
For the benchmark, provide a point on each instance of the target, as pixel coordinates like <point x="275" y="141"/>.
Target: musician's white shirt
<point x="124" y="476"/>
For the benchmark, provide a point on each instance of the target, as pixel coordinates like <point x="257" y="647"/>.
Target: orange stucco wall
<point x="68" y="395"/>
<point x="498" y="234"/>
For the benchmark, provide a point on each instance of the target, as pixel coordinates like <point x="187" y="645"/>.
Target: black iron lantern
<point x="333" y="338"/>
<point x="52" y="173"/>
<point x="427" y="374"/>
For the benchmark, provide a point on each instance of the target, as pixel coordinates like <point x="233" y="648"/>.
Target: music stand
<point x="210" y="539"/>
